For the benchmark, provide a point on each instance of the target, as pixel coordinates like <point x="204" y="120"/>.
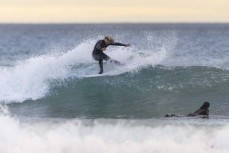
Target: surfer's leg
<point x="173" y="115"/>
<point x="96" y="57"/>
<point x="105" y="57"/>
<point x="99" y="58"/>
<point x="167" y="115"/>
<point x="101" y="66"/>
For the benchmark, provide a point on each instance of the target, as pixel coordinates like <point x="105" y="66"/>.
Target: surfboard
<point x="95" y="75"/>
<point x="112" y="68"/>
<point x="108" y="73"/>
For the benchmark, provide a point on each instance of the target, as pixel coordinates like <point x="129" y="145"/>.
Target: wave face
<point x="167" y="68"/>
<point x="52" y="100"/>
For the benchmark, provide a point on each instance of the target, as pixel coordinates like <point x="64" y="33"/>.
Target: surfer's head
<point x="108" y="40"/>
<point x="205" y="105"/>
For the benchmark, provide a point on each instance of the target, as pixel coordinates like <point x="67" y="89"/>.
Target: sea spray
<point x="114" y="136"/>
<point x="30" y="79"/>
<point x="170" y="68"/>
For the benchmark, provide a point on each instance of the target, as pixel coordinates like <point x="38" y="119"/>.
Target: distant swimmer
<point x="203" y="110"/>
<point x="98" y="52"/>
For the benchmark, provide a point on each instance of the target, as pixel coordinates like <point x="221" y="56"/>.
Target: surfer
<point x="98" y="52"/>
<point x="203" y="110"/>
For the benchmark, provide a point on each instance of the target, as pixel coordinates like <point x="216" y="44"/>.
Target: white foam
<point x="29" y="79"/>
<point x="118" y="136"/>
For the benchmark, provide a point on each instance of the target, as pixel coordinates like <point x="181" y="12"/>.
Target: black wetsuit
<point x="203" y="110"/>
<point x="200" y="112"/>
<point x="99" y="55"/>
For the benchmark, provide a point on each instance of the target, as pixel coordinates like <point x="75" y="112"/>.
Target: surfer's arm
<point x="119" y="44"/>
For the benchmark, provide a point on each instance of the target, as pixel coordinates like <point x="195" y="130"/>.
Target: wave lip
<point x="29" y="79"/>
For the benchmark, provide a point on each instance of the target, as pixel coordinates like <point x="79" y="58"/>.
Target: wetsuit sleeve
<point x="118" y="44"/>
<point x="98" y="45"/>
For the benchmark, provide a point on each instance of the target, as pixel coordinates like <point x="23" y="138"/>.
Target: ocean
<point x="51" y="102"/>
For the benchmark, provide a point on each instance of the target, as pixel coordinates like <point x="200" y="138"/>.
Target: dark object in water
<point x="203" y="110"/>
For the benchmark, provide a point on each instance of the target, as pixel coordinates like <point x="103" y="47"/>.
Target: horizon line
<point x="210" y="22"/>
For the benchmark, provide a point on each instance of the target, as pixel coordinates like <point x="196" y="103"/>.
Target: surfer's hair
<point x="108" y="39"/>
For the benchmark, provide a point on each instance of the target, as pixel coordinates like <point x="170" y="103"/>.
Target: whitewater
<point x="29" y="79"/>
<point x="49" y="101"/>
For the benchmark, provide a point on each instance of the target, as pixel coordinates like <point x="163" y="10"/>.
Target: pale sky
<point x="99" y="11"/>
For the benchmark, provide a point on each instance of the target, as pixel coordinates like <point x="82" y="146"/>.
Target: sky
<point x="113" y="11"/>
